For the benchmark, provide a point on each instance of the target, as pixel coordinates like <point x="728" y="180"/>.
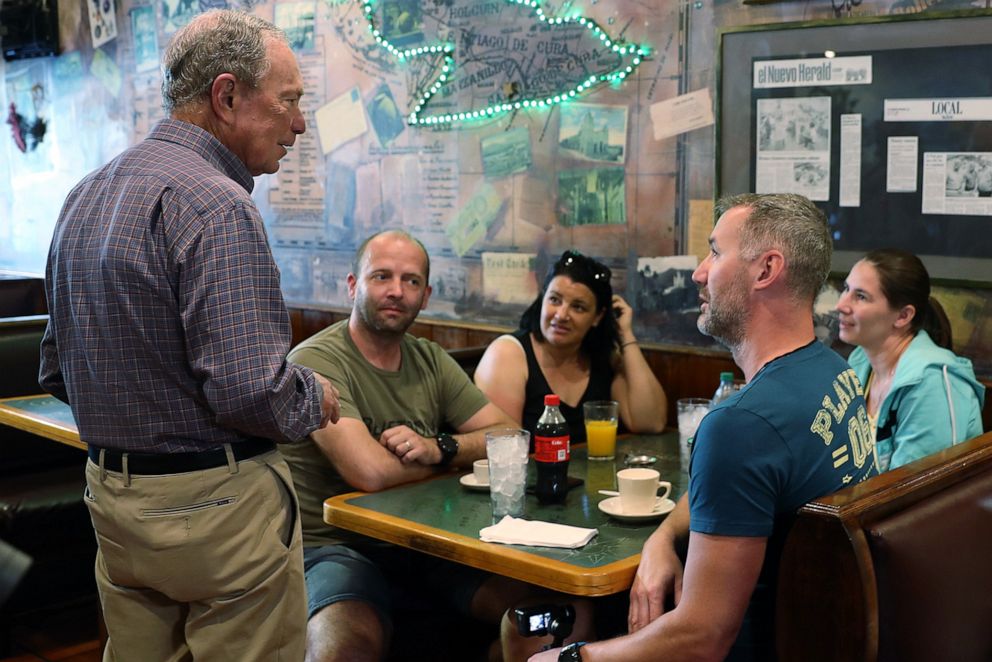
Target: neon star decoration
<point x="630" y="56"/>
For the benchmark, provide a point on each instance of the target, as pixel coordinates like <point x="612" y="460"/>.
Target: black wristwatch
<point x="571" y="652"/>
<point x="448" y="446"/>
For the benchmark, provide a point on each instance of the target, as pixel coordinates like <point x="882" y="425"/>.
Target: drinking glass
<point x="601" y="428"/>
<point x="691" y="412"/>
<point x="507" y="453"/>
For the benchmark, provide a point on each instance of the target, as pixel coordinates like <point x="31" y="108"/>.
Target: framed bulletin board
<point x="886" y="124"/>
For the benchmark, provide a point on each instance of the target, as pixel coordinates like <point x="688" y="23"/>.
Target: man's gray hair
<point x="215" y="42"/>
<point x="789" y="223"/>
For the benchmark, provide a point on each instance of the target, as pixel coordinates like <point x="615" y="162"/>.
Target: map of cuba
<point x="481" y="58"/>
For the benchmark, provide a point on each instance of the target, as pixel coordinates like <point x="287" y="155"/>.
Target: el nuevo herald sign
<point x="812" y="71"/>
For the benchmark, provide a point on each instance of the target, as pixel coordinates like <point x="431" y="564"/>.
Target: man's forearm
<point x="668" y="638"/>
<point x="676" y="525"/>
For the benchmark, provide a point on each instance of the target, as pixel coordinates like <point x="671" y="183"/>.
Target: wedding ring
<point x="408" y="445"/>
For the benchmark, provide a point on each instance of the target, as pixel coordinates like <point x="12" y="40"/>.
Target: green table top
<point x="445" y="504"/>
<point x="44" y="407"/>
<point x="42" y="415"/>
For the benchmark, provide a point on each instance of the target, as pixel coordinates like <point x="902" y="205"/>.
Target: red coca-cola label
<point x="551" y="449"/>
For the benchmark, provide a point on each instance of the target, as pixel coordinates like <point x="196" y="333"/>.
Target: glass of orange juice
<point x="601" y="428"/>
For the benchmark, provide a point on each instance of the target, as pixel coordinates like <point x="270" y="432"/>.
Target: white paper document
<point x="793" y="153"/>
<point x="964" y="109"/>
<point x="509" y="277"/>
<point x="900" y="164"/>
<point x="957" y="183"/>
<point x="850" y="160"/>
<point x="341" y="120"/>
<point x="683" y="113"/>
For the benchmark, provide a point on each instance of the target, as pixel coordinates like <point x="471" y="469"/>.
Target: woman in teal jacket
<point x="921" y="396"/>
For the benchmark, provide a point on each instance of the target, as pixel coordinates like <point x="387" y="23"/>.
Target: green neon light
<point x="418" y="118"/>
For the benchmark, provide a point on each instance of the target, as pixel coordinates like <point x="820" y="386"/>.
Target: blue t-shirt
<point x="797" y="431"/>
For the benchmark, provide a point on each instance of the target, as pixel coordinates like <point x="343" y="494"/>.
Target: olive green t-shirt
<point x="430" y="393"/>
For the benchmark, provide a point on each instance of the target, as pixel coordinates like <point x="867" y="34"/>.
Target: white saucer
<point x="469" y="481"/>
<point x="611" y="507"/>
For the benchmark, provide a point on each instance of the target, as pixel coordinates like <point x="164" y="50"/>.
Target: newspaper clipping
<point x="794" y="147"/>
<point x="957" y="183"/>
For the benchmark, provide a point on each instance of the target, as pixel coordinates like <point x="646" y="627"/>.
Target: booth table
<point x="441" y="517"/>
<point x="43" y="415"/>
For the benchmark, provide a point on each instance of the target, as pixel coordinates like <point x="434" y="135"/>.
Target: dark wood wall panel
<point x="683" y="373"/>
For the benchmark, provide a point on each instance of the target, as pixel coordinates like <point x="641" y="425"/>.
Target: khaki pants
<point x="205" y="565"/>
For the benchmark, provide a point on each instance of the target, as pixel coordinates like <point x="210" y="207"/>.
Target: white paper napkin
<point x="513" y="531"/>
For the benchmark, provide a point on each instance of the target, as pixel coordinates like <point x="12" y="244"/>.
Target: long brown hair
<point x="905" y="282"/>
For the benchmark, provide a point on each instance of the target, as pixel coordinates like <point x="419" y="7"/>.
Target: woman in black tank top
<point x="575" y="340"/>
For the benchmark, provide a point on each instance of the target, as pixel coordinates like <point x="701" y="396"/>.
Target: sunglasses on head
<point x="599" y="272"/>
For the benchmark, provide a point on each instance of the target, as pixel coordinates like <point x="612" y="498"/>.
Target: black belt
<point x="176" y="463"/>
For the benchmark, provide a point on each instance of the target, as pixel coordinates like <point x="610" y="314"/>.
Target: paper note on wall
<point x="700" y="225"/>
<point x="341" y="120"/>
<point x="509" y="277"/>
<point x="683" y="113"/>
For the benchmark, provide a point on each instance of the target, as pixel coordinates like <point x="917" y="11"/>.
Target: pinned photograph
<point x="144" y="32"/>
<point x="296" y="19"/>
<point x="506" y="153"/>
<point x="385" y="115"/>
<point x="593" y="132"/>
<point x="596" y="196"/>
<point x="177" y="13"/>
<point x="103" y="21"/>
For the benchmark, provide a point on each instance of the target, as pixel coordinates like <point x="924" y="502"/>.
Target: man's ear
<point x="427" y="296"/>
<point x="772" y="265"/>
<point x="352" y="284"/>
<point x="223" y="96"/>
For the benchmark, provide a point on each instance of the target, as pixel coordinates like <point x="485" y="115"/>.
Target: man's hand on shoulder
<point x="330" y="408"/>
<point x="410" y="447"/>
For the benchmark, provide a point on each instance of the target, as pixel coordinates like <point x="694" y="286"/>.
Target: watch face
<point x="448" y="446"/>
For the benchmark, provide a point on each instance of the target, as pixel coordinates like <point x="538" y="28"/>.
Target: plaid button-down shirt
<point x="168" y="330"/>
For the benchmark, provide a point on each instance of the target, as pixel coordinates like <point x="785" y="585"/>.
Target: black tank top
<point x="600" y="382"/>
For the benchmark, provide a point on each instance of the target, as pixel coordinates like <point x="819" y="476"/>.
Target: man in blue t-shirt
<point x="796" y="431"/>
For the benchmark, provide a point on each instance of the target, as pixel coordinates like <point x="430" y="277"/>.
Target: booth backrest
<point x="21" y="295"/>
<point x="20" y="348"/>
<point x="20" y="358"/>
<point x="898" y="568"/>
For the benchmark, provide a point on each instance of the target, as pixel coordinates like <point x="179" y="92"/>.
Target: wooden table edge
<point x="508" y="561"/>
<point x="39" y="425"/>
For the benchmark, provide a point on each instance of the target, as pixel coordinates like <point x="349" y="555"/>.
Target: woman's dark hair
<point x="905" y="282"/>
<point x="604" y="338"/>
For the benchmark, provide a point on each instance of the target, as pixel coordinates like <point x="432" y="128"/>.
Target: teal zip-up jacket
<point x="915" y="418"/>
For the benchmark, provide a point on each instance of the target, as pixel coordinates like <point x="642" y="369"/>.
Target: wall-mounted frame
<point x="886" y="123"/>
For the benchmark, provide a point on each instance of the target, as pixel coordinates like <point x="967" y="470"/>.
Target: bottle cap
<point x="552" y="399"/>
<point x="726" y="376"/>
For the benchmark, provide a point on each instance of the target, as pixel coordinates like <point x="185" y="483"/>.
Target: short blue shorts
<point x="385" y="576"/>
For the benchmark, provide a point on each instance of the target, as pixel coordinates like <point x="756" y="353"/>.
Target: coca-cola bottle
<point x="551" y="453"/>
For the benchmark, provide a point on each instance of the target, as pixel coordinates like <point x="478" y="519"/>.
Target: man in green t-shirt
<point x="397" y="394"/>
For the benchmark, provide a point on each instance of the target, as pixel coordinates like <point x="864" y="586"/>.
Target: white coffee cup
<point x="480" y="469"/>
<point x="639" y="490"/>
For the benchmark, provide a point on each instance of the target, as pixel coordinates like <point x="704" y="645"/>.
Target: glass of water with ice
<point x="507" y="452"/>
<point x="691" y="412"/>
